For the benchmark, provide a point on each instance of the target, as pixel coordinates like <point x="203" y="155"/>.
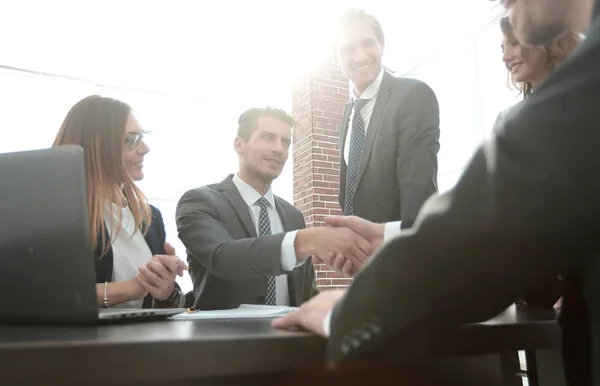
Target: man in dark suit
<point x="525" y="211"/>
<point x="246" y="245"/>
<point x="390" y="130"/>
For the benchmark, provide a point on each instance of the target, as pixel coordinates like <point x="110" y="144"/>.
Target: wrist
<point x="379" y="230"/>
<point x="134" y="290"/>
<point x="169" y="293"/>
<point x="304" y="244"/>
<point x="172" y="299"/>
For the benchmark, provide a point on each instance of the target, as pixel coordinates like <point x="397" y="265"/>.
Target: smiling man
<point x="526" y="209"/>
<point x="390" y="130"/>
<point x="246" y="245"/>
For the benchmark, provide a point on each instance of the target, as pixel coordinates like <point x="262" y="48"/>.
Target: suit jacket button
<point x="374" y="325"/>
<point x="365" y="334"/>
<point x="345" y="345"/>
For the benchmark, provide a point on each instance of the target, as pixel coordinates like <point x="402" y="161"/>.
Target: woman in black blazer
<point x="528" y="67"/>
<point x="135" y="267"/>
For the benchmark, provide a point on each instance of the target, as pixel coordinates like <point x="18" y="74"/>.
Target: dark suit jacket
<point x="398" y="166"/>
<point x="526" y="209"/>
<point x="546" y="295"/>
<point x="155" y="238"/>
<point x="229" y="264"/>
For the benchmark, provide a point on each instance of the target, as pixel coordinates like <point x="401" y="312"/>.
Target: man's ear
<point x="238" y="145"/>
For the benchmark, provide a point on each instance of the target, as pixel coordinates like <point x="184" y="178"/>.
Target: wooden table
<point x="178" y="352"/>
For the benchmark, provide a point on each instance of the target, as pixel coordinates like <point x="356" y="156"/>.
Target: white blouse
<point x="130" y="249"/>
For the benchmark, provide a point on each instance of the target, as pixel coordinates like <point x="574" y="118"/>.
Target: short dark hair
<point x="248" y="120"/>
<point x="354" y="15"/>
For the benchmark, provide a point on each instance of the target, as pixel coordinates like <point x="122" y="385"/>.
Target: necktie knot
<point x="359" y="104"/>
<point x="263" y="203"/>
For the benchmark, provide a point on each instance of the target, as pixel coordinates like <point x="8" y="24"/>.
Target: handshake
<point x="344" y="244"/>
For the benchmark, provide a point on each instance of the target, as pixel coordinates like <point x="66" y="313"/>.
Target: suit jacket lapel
<point x="382" y="99"/>
<point x="344" y="130"/>
<point x="239" y="205"/>
<point x="285" y="219"/>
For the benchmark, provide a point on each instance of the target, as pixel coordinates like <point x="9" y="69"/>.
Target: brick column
<point x="318" y="100"/>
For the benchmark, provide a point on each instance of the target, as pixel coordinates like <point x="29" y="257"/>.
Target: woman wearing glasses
<point x="135" y="267"/>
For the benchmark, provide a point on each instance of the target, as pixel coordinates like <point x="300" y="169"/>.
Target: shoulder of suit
<point x="287" y="205"/>
<point x="203" y="191"/>
<point x="409" y="82"/>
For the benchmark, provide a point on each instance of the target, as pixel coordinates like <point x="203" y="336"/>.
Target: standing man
<point x="246" y="245"/>
<point x="525" y="210"/>
<point x="390" y="130"/>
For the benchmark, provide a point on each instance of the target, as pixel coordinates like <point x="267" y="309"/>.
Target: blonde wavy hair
<point x="556" y="53"/>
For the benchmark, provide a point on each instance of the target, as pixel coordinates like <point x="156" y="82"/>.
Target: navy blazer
<point x="155" y="238"/>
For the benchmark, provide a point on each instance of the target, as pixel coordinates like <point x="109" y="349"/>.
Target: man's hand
<point x="338" y="263"/>
<point x="311" y="314"/>
<point x="339" y="241"/>
<point x="370" y="231"/>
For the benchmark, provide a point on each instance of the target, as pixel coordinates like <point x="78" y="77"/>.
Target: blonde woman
<point x="528" y="66"/>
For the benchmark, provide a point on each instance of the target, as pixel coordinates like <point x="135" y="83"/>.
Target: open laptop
<point x="47" y="266"/>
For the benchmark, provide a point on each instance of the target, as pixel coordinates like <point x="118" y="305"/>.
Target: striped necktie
<point x="357" y="141"/>
<point x="264" y="229"/>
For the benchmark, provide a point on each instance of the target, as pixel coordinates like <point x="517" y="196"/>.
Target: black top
<point x="155" y="238"/>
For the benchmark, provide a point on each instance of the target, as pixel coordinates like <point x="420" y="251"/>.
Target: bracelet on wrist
<point x="171" y="299"/>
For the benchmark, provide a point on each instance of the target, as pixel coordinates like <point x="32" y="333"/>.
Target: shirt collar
<point x="249" y="194"/>
<point x="373" y="89"/>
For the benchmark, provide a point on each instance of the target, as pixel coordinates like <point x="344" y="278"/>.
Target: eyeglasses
<point x="133" y="141"/>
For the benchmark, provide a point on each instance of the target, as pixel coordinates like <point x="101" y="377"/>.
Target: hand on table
<point x="311" y="315"/>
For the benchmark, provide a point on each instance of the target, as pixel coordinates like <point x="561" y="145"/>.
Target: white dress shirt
<point x="366" y="111"/>
<point x="370" y="93"/>
<point x="288" y="252"/>
<point x="129" y="248"/>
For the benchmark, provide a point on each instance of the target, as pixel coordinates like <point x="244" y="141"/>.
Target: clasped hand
<point x="158" y="276"/>
<point x="368" y="236"/>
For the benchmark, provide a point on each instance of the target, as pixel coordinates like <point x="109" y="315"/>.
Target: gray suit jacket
<point x="526" y="209"/>
<point x="398" y="166"/>
<point x="228" y="263"/>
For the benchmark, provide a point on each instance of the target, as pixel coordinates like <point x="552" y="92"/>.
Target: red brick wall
<point x="317" y="107"/>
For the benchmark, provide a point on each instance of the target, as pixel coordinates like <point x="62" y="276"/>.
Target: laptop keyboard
<point x="124" y="312"/>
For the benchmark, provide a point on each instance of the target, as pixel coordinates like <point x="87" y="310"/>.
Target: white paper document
<point x="243" y="312"/>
